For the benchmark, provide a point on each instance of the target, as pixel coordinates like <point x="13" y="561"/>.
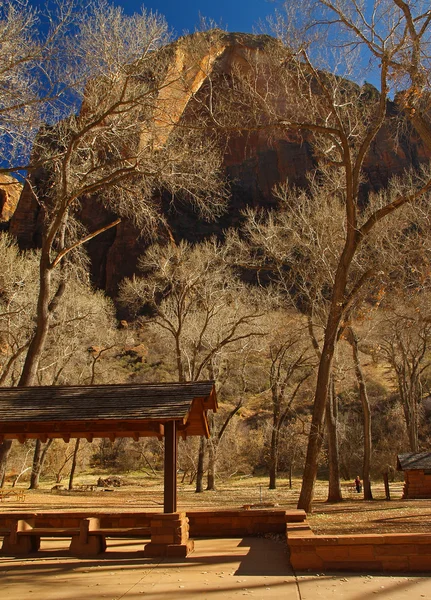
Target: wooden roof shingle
<point x="104" y="408"/>
<point x="414" y="461"/>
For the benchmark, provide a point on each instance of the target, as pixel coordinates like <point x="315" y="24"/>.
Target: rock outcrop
<point x="254" y="162"/>
<point x="10" y="192"/>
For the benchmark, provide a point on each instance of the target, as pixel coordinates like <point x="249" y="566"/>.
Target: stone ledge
<point x="228" y="523"/>
<point x="366" y="552"/>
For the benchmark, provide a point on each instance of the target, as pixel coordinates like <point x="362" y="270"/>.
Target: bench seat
<point x="49" y="532"/>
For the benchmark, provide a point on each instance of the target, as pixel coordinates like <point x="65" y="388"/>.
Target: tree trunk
<point x="40" y="452"/>
<point x="273" y="458"/>
<point x="386" y="482"/>
<point x="35" y="349"/>
<point x="37" y="344"/>
<point x="316" y="430"/>
<point x="408" y="390"/>
<point x="178" y="354"/>
<point x="212" y="452"/>
<point x="366" y="411"/>
<point x="413" y="425"/>
<point x="5" y="449"/>
<point x="201" y="463"/>
<point x="35" y="471"/>
<point x="74" y="460"/>
<point x="334" y="487"/>
<point x="214" y="444"/>
<point x="336" y="311"/>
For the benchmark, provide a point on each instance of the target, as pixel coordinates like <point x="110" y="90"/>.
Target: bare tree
<point x="112" y="95"/>
<point x="29" y="43"/>
<point x="198" y="304"/>
<point x="405" y="345"/>
<point x="84" y="318"/>
<point x="340" y="120"/>
<point x="232" y="373"/>
<point x="397" y="36"/>
<point x="297" y="246"/>
<point x="352" y="338"/>
<point x="215" y="440"/>
<point x="18" y="294"/>
<point x="196" y="301"/>
<point x="290" y="366"/>
<point x="122" y="145"/>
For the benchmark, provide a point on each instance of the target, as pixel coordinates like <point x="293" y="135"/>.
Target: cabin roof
<point x="414" y="461"/>
<point x="119" y="410"/>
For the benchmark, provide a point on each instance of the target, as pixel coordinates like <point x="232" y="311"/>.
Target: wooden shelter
<point x="166" y="410"/>
<point x="417" y="474"/>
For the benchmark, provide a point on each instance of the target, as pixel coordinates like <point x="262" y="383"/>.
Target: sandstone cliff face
<point x="254" y="162"/>
<point x="10" y="192"/>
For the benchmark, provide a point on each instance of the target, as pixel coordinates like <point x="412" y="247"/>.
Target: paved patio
<point x="218" y="569"/>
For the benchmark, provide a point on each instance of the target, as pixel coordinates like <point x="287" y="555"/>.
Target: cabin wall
<point x="417" y="484"/>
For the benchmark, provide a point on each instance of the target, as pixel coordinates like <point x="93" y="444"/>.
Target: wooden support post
<point x="170" y="474"/>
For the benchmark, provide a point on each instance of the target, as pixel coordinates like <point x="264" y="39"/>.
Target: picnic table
<point x="18" y="495"/>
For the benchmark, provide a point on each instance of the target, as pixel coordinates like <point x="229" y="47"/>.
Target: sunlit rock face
<point x="10" y="191"/>
<point x="254" y="162"/>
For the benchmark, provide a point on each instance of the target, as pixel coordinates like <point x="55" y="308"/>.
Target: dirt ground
<point x="353" y="515"/>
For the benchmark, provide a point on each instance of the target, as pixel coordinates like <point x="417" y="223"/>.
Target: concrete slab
<point x="219" y="569"/>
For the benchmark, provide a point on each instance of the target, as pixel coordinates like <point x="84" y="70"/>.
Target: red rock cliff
<point x="10" y="192"/>
<point x="254" y="163"/>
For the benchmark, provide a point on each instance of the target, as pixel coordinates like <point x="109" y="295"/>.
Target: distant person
<point x="358" y="484"/>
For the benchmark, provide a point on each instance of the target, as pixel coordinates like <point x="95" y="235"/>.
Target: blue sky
<point x="183" y="15"/>
<point x="233" y="15"/>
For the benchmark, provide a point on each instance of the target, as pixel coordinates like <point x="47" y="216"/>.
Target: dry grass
<point x="354" y="515"/>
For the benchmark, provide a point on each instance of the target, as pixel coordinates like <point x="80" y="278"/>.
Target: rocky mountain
<point x="254" y="163"/>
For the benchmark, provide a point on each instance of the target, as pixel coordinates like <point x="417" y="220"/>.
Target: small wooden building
<point x="417" y="474"/>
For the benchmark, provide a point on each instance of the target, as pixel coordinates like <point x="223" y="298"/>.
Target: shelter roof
<point x="414" y="461"/>
<point x="105" y="410"/>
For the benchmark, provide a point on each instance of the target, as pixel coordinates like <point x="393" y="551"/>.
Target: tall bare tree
<point x="340" y="121"/>
<point x="117" y="95"/>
